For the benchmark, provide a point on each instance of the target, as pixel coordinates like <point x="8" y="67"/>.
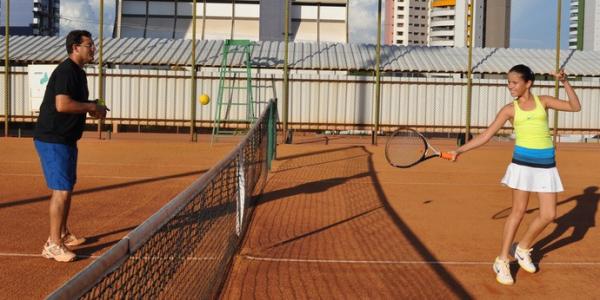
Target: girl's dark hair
<point x="524" y="71"/>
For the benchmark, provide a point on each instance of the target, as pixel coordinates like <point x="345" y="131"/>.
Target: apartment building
<point x="448" y="25"/>
<point x="46" y="17"/>
<point x="444" y="22"/>
<point x="584" y="25"/>
<point x="407" y="22"/>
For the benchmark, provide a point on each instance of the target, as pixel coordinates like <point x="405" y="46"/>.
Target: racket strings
<point x="405" y="147"/>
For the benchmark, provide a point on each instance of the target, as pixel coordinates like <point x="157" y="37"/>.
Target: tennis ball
<point x="204" y="99"/>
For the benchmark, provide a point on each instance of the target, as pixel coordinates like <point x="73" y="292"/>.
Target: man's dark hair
<point x="525" y="72"/>
<point x="75" y="37"/>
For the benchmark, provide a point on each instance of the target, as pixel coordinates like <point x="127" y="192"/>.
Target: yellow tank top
<point x="531" y="126"/>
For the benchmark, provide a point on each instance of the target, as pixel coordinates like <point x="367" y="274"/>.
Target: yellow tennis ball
<point x="204" y="99"/>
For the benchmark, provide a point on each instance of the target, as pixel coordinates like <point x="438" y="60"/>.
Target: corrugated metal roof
<point x="311" y="56"/>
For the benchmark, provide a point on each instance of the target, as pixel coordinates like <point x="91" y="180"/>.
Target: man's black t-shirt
<point x="56" y="127"/>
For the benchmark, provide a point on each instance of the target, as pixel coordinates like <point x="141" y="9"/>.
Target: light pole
<point x="377" y="77"/>
<point x="193" y="137"/>
<point x="557" y="68"/>
<point x="6" y="68"/>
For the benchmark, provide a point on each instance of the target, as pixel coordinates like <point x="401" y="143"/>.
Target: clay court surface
<point x="334" y="221"/>
<point x="121" y="182"/>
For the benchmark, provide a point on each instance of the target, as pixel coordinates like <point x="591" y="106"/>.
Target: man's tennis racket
<point x="406" y="147"/>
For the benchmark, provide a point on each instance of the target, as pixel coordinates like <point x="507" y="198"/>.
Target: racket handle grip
<point x="446" y="155"/>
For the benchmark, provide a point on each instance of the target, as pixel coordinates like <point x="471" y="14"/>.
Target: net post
<point x="271" y="135"/>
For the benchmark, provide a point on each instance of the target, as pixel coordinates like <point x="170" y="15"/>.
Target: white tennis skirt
<point x="532" y="179"/>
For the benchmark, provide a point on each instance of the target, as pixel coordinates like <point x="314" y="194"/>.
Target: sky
<point x="533" y="22"/>
<point x="85" y="14"/>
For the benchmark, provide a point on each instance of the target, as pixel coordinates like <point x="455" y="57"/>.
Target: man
<point x="60" y="125"/>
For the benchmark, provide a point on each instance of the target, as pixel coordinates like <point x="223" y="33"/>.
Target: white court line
<point x="98" y="164"/>
<point x="400" y="262"/>
<point x="356" y="181"/>
<point x="78" y="176"/>
<point x="2" y="254"/>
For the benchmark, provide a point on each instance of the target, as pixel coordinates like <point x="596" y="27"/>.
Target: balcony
<point x="438" y="12"/>
<point x="438" y="23"/>
<point x="443" y="43"/>
<point x="441" y="33"/>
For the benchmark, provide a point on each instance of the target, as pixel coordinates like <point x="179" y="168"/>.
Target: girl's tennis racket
<point x="406" y="147"/>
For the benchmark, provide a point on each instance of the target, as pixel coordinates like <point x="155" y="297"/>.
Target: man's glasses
<point x="91" y="46"/>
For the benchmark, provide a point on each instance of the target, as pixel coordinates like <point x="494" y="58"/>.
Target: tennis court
<point x="333" y="221"/>
<point x="336" y="221"/>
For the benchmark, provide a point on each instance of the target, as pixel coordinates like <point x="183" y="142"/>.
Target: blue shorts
<point x="59" y="163"/>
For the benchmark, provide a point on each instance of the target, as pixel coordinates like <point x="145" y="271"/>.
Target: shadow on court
<point x="333" y="199"/>
<point x="101" y="188"/>
<point x="581" y="218"/>
<point x="87" y="251"/>
<point x="313" y="187"/>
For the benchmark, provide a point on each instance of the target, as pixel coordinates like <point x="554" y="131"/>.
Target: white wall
<point x="325" y="101"/>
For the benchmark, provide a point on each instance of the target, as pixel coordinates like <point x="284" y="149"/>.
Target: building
<point x="497" y="24"/>
<point x="444" y="22"/>
<point x="46" y="17"/>
<point x="584" y="25"/>
<point x="448" y="23"/>
<point x="17" y="30"/>
<point x="575" y="41"/>
<point x="309" y="20"/>
<point x="407" y="22"/>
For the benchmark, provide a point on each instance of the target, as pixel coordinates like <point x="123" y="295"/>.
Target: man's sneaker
<point x="523" y="257"/>
<point x="57" y="252"/>
<point x="70" y="240"/>
<point x="502" y="270"/>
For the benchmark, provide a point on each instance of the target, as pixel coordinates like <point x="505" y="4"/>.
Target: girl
<point x="533" y="168"/>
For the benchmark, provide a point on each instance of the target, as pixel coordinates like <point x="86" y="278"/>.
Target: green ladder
<point x="227" y="80"/>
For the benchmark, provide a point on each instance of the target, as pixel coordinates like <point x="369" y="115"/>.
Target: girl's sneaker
<point x="502" y="270"/>
<point x="71" y="241"/>
<point x="523" y="257"/>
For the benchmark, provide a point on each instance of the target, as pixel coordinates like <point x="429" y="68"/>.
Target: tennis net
<point x="186" y="248"/>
